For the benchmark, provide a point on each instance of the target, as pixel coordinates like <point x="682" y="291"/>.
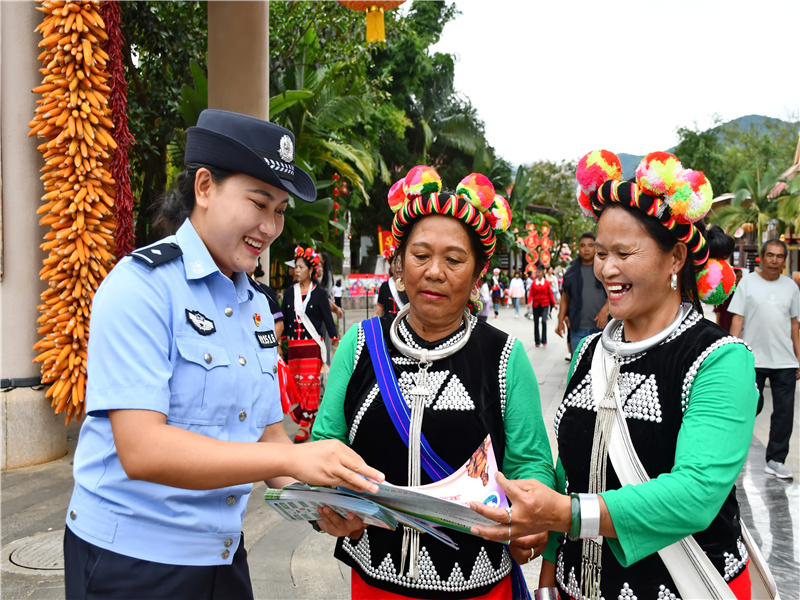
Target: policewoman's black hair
<point x="177" y="204"/>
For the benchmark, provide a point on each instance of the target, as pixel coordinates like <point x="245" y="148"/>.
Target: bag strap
<point x="312" y="331"/>
<point x="690" y="568"/>
<point x="396" y="406"/>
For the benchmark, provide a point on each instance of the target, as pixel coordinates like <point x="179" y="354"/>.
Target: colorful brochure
<point x="426" y="508"/>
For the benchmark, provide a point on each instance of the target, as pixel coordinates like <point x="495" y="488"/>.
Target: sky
<point x="553" y="80"/>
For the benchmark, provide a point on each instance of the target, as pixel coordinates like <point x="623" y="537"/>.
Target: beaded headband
<point x="474" y="203"/>
<point x="663" y="189"/>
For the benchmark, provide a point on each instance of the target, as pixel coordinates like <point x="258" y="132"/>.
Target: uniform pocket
<point x="200" y="383"/>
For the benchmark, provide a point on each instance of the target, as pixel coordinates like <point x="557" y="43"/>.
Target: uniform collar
<point x="198" y="263"/>
<point x="196" y="259"/>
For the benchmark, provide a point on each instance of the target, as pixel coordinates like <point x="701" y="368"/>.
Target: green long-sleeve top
<point x="527" y="450"/>
<point x="711" y="449"/>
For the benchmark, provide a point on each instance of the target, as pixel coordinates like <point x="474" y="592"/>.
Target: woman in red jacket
<point x="541" y="298"/>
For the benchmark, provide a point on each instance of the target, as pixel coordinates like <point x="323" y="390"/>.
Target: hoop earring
<point x="673" y="281"/>
<point x="401" y="287"/>
<point x="475" y="295"/>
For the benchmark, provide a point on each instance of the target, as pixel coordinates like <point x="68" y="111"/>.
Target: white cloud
<point x="553" y="80"/>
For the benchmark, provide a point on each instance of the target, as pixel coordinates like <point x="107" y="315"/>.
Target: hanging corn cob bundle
<point x="73" y="119"/>
<point x="120" y="171"/>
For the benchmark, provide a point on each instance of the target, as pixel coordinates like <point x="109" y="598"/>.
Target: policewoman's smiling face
<point x="237" y="218"/>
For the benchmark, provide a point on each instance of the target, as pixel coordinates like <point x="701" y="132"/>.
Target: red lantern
<point x="374" y="10"/>
<point x="545" y="258"/>
<point x="533" y="257"/>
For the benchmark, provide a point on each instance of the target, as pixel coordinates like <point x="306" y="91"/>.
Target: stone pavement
<point x="291" y="561"/>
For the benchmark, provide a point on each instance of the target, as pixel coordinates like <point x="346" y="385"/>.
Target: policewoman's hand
<point x="332" y="463"/>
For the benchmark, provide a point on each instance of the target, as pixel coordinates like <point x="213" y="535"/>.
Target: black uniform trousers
<point x="94" y="573"/>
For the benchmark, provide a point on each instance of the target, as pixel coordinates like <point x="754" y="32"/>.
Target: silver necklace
<point x="631" y="348"/>
<point x="417" y="399"/>
<point x="422" y="354"/>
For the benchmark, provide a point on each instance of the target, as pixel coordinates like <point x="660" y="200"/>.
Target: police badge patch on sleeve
<point x="267" y="339"/>
<point x="201" y="323"/>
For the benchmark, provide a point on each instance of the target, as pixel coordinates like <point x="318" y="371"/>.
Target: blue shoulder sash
<point x="396" y="405"/>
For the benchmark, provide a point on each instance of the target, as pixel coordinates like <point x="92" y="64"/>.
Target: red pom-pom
<point x="397" y="195"/>
<point x="335" y="192"/>
<point x="335" y="176"/>
<point x="585" y="203"/>
<point x="596" y="168"/>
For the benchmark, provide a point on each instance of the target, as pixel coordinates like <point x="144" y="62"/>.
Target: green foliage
<point x="162" y="39"/>
<point x="758" y="144"/>
<point x="194" y="99"/>
<point x="375" y="110"/>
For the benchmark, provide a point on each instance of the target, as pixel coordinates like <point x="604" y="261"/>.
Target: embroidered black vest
<point x="468" y="402"/>
<point x="654" y="391"/>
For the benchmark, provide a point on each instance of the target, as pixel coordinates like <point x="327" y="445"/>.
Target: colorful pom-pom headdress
<point x="663" y="189"/>
<point x="389" y="252"/>
<point x="311" y="257"/>
<point x="475" y="203"/>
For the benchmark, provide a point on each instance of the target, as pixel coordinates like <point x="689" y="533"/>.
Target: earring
<point x="673" y="281"/>
<point x="475" y="295"/>
<point x="401" y="287"/>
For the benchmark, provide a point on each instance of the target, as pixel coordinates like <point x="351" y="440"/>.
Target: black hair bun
<point x="720" y="244"/>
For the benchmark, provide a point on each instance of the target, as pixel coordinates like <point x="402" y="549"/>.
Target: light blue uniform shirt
<point x="144" y="353"/>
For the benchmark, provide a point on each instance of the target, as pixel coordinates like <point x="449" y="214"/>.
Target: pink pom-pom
<point x="422" y="180"/>
<point x="397" y="195"/>
<point x="501" y="212"/>
<point x="658" y="173"/>
<point x="715" y="282"/>
<point x="478" y="189"/>
<point x="596" y="168"/>
<point x="692" y="197"/>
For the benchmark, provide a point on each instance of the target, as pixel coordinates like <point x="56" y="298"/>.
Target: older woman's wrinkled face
<point x="631" y="265"/>
<point x="438" y="269"/>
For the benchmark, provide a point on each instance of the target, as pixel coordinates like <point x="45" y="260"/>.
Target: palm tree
<point x="321" y="123"/>
<point x="761" y="209"/>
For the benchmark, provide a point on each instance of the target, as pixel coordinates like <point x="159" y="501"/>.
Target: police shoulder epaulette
<point x="158" y="254"/>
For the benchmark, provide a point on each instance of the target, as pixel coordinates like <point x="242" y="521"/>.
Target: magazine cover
<point x="444" y="503"/>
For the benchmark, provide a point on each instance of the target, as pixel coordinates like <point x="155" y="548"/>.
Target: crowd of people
<point x="185" y="410"/>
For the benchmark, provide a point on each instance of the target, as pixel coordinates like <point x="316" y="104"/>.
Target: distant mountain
<point x="629" y="162"/>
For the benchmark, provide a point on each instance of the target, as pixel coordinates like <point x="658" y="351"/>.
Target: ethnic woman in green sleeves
<point x="656" y="421"/>
<point x="460" y="379"/>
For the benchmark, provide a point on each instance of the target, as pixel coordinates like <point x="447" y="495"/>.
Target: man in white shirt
<point x="766" y="308"/>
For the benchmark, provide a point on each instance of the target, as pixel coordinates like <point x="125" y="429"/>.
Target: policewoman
<point x="182" y="400"/>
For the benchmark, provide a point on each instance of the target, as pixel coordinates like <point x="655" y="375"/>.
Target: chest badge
<point x="257" y="319"/>
<point x="201" y="323"/>
<point x="267" y="339"/>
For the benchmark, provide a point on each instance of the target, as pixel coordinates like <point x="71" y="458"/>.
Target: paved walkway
<point x="291" y="561"/>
